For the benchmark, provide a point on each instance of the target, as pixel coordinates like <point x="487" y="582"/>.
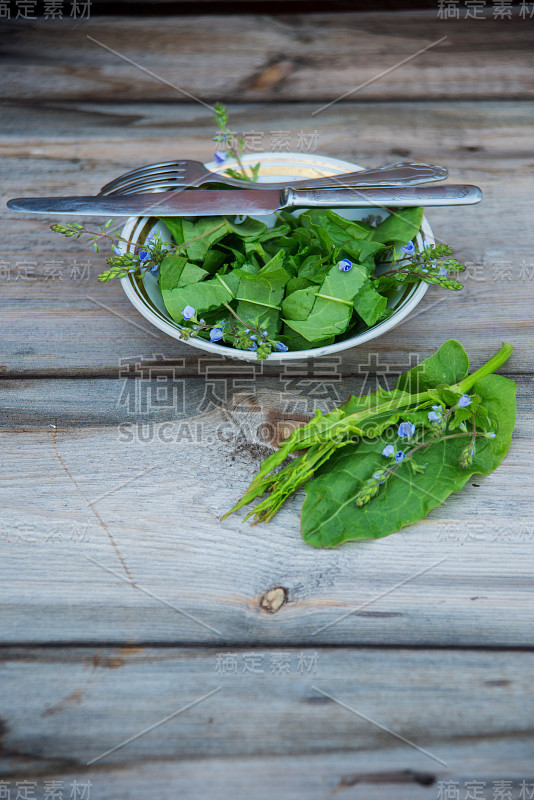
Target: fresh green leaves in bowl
<point x="384" y="460"/>
<point x="308" y="281"/>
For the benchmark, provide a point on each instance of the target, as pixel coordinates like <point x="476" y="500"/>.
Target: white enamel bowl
<point x="145" y="295"/>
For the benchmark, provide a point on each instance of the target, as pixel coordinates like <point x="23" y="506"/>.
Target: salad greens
<point x="309" y="280"/>
<point x="384" y="460"/>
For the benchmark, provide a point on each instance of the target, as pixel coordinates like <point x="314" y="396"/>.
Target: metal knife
<point x="206" y="202"/>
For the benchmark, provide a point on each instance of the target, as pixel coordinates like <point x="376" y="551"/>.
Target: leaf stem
<point x="488" y="368"/>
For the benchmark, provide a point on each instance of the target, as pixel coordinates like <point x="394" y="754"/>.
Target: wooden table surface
<point x="148" y="647"/>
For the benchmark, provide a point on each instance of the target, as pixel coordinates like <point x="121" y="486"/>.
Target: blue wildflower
<point x="433" y="416"/>
<point x="443" y="272"/>
<point x="464" y="401"/>
<point x="408" y="249"/>
<point x="281" y="347"/>
<point x="188" y="312"/>
<point x="345" y="264"/>
<point x="490" y="435"/>
<point x="154" y="270"/>
<point x="216" y="334"/>
<point x="406" y="430"/>
<point x="219" y="156"/>
<point x="143" y="255"/>
<point x="254" y="346"/>
<point x="254" y="337"/>
<point x="388" y="451"/>
<point x="400" y="456"/>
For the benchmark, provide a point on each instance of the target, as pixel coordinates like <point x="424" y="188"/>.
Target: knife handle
<point x="390" y="197"/>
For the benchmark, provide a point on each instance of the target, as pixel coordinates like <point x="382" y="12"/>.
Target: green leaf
<point x="299" y="304"/>
<point x="370" y="305"/>
<point x="332" y="310"/>
<point x="170" y="272"/>
<point x="448" y="365"/>
<point x="330" y="515"/>
<point x="296" y="283"/>
<point x="399" y="228"/>
<point x="204" y="296"/>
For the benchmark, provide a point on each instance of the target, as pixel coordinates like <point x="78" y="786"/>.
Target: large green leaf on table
<point x="449" y="365"/>
<point x="400" y="227"/>
<point x="204" y="296"/>
<point x="332" y="310"/>
<point x="330" y="515"/>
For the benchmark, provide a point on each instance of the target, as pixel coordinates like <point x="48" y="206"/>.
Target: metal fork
<point x="175" y="174"/>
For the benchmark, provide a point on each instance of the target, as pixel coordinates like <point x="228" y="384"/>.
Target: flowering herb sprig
<point x="244" y="335"/>
<point x="431" y="265"/>
<point x="232" y="146"/>
<point x="350" y="491"/>
<point x="145" y="257"/>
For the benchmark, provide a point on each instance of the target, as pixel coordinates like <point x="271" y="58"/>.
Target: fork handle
<point x="403" y="173"/>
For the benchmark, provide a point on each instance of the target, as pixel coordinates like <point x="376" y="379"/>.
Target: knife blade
<point x="206" y="202"/>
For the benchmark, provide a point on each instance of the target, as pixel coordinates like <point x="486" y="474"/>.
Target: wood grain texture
<point x="292" y="57"/>
<point x="119" y="587"/>
<point x="464" y="708"/>
<point x="115" y="535"/>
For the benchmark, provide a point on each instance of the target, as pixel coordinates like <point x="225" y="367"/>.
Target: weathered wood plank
<point x="80" y="703"/>
<point x="296" y="57"/>
<point x="362" y="775"/>
<point x="92" y="478"/>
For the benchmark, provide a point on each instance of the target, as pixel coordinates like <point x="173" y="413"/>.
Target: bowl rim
<point x="134" y="225"/>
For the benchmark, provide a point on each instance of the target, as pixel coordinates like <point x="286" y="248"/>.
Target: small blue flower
<point x="219" y="156"/>
<point x="378" y="476"/>
<point x="254" y="346"/>
<point x="388" y="451"/>
<point x="400" y="456"/>
<point x="154" y="270"/>
<point x="406" y="430"/>
<point x="345" y="265"/>
<point x="143" y="255"/>
<point x="408" y="249"/>
<point x="490" y="435"/>
<point x="216" y="334"/>
<point x="188" y="312"/>
<point x="281" y="347"/>
<point x="254" y="337"/>
<point x="464" y="401"/>
<point x="443" y="272"/>
<point x="433" y="416"/>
